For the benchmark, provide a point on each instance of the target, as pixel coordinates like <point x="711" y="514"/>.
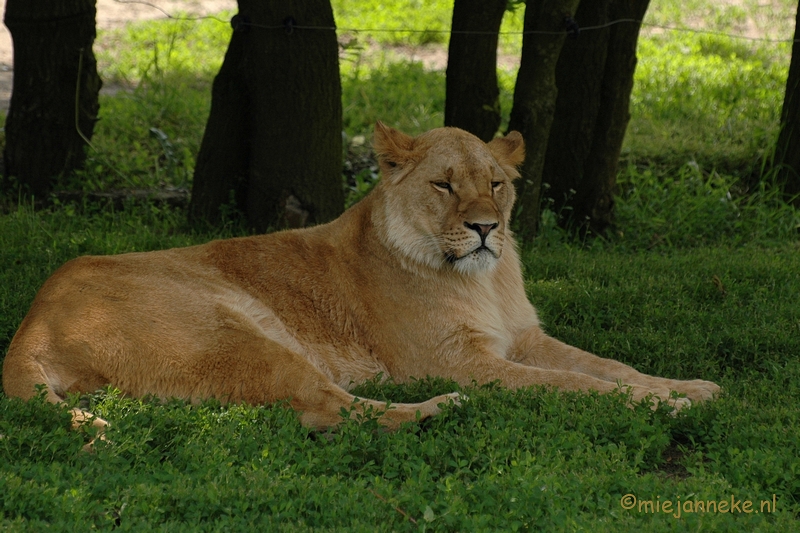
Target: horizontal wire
<point x="462" y="32"/>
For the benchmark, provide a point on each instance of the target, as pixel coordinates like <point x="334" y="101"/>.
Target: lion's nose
<point x="481" y="229"/>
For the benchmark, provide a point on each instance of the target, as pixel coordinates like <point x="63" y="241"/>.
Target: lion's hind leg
<point x="390" y="415"/>
<point x="24" y="377"/>
<point x="81" y="418"/>
<point x="258" y="370"/>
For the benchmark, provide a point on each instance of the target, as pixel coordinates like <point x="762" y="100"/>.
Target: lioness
<point x="422" y="277"/>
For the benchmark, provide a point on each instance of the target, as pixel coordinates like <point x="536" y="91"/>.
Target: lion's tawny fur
<point x="422" y="277"/>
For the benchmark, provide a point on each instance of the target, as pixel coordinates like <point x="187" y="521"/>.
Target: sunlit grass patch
<point x="402" y="94"/>
<point x="692" y="207"/>
<point x="705" y="98"/>
<point x="196" y="47"/>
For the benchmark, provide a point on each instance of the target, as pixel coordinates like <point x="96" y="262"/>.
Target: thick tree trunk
<point x="472" y="95"/>
<point x="596" y="198"/>
<point x="579" y="76"/>
<point x="55" y="78"/>
<point x="274" y="133"/>
<point x="787" y="152"/>
<point x="223" y="162"/>
<point x="534" y="100"/>
<point x="595" y="77"/>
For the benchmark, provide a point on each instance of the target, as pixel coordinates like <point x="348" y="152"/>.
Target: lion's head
<point x="448" y="195"/>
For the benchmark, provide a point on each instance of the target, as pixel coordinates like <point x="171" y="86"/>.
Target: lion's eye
<point x="442" y="186"/>
<point x="497" y="185"/>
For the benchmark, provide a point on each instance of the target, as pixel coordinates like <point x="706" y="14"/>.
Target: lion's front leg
<point x="485" y="367"/>
<point x="537" y="349"/>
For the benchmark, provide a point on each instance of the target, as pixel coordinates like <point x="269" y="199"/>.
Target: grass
<point x="700" y="281"/>
<point x="688" y="207"/>
<point x="532" y="458"/>
<point x="691" y="89"/>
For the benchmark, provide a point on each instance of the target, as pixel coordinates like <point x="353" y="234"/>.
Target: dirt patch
<point x="113" y="14"/>
<point x="673" y="467"/>
<point x="434" y="56"/>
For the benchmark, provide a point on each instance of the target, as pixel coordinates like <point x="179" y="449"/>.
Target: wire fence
<point x="290" y="26"/>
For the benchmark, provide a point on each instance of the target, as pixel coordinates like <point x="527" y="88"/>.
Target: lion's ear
<point x="509" y="151"/>
<point x="393" y="148"/>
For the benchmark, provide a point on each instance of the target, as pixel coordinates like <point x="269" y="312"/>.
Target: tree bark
<point x="787" y="152"/>
<point x="579" y="76"/>
<point x="274" y="133"/>
<point x="596" y="200"/>
<point x="55" y="79"/>
<point x="595" y="77"/>
<point x="223" y="161"/>
<point x="472" y="96"/>
<point x="535" y="95"/>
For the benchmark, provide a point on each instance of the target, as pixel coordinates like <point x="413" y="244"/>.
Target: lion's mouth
<point x="452" y="257"/>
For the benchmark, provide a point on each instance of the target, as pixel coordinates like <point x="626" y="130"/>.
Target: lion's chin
<point x="477" y="261"/>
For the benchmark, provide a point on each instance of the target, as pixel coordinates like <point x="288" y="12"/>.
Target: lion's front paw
<point x="692" y="391"/>
<point x="454" y="397"/>
<point x="658" y="395"/>
<point x="678" y="404"/>
<point x="697" y="390"/>
<point x="434" y="405"/>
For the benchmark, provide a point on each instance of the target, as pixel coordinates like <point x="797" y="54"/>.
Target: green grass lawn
<point x="701" y="280"/>
<point x="527" y="459"/>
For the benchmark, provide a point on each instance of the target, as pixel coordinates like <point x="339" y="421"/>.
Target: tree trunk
<point x="595" y="77"/>
<point x="223" y="162"/>
<point x="535" y="95"/>
<point x="55" y="78"/>
<point x="472" y="96"/>
<point x="273" y="138"/>
<point x="787" y="152"/>
<point x="596" y="200"/>
<point x="579" y="76"/>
